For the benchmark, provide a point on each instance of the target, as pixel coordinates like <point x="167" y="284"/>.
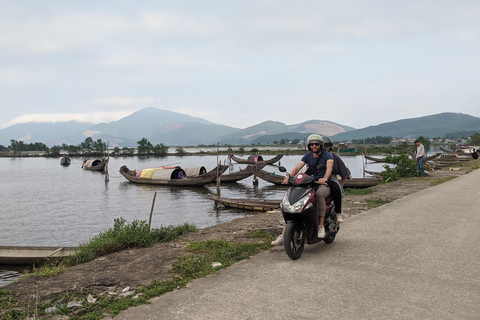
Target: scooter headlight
<point x="297" y="206"/>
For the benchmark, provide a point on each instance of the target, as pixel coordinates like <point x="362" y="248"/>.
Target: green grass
<point x="356" y="191"/>
<point x="122" y="236"/>
<point x="440" y="181"/>
<point x="195" y="264"/>
<point x="375" y="203"/>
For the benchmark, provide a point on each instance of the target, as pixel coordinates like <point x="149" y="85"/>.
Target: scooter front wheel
<point x="294" y="239"/>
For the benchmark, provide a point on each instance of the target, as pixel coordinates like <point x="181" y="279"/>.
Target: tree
<point x="425" y="142"/>
<point x="180" y="151"/>
<point x="54" y="151"/>
<point x="161" y="149"/>
<point x="475" y="139"/>
<point x="127" y="151"/>
<point x="87" y="145"/>
<point x="116" y="151"/>
<point x="99" y="147"/>
<point x="144" y="146"/>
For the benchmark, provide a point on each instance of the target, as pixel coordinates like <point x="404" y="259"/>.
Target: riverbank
<point x="115" y="272"/>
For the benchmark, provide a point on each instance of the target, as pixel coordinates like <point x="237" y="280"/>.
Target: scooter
<point x="299" y="209"/>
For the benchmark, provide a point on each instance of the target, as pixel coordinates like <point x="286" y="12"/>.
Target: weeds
<point x="375" y="203"/>
<point x="436" y="182"/>
<point x="197" y="263"/>
<point x="358" y="192"/>
<point x="122" y="236"/>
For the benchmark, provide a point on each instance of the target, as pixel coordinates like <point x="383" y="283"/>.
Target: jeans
<point x="420" y="166"/>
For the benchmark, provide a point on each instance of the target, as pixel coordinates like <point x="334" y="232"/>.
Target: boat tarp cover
<point x="191" y="172"/>
<point x="92" y="163"/>
<point x="161" y="173"/>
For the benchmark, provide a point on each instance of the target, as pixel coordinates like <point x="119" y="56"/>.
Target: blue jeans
<point x="420" y="166"/>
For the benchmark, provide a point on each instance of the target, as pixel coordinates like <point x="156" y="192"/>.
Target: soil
<point x="130" y="268"/>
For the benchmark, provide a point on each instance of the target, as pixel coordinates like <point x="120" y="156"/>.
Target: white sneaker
<point x="278" y="241"/>
<point x="321" y="232"/>
<point x="339" y="218"/>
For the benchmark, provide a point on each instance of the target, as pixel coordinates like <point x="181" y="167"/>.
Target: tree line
<point x="88" y="147"/>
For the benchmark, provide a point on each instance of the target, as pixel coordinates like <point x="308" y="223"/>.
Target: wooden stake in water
<point x="151" y="211"/>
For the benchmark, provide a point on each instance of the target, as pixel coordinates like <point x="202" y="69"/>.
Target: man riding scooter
<point x="314" y="159"/>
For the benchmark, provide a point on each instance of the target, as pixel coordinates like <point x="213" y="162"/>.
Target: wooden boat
<point x="65" y="161"/>
<point x="374" y="159"/>
<point x="239" y="175"/>
<point x="349" y="183"/>
<point x="446" y="150"/>
<point x="246" y="204"/>
<point x="169" y="176"/>
<point x="271" y="177"/>
<point x="376" y="174"/>
<point x="255" y="159"/>
<point x="95" y="165"/>
<point x="17" y="255"/>
<point x="358" y="183"/>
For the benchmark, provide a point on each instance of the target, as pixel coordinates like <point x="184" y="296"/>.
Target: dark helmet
<point x="328" y="143"/>
<point x="312" y="138"/>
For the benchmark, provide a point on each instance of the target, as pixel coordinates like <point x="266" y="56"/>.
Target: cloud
<point x="95" y="117"/>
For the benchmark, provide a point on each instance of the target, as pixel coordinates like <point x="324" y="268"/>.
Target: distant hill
<point x="56" y="133"/>
<point x="441" y="125"/>
<point x="176" y="129"/>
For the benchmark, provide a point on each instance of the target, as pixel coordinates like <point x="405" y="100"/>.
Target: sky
<point x="239" y="63"/>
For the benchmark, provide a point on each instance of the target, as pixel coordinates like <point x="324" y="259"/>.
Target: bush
<point x="404" y="168"/>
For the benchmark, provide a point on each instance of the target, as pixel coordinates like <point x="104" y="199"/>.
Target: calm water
<point x="46" y="204"/>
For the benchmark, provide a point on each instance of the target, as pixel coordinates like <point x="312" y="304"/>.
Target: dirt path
<point x="141" y="266"/>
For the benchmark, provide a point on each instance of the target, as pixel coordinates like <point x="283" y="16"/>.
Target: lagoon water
<point x="46" y="204"/>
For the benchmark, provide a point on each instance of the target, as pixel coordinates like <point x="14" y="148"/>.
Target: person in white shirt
<point x="419" y="157"/>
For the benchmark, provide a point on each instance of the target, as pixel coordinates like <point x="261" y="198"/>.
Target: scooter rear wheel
<point x="294" y="240"/>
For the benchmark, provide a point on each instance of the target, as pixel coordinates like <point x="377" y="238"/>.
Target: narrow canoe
<point x="350" y="183"/>
<point x="254" y="160"/>
<point x="17" y="255"/>
<point x="246" y="204"/>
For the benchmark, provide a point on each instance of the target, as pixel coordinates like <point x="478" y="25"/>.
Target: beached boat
<point x="169" y="176"/>
<point x="376" y="174"/>
<point x="95" y="165"/>
<point x="16" y="255"/>
<point x="239" y="175"/>
<point x="255" y="159"/>
<point x="246" y="204"/>
<point x="374" y="159"/>
<point x="349" y="183"/>
<point x="65" y="161"/>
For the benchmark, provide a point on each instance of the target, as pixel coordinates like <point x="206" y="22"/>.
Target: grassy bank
<point x="202" y="258"/>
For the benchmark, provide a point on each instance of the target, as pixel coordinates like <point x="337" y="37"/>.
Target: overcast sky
<point x="238" y="63"/>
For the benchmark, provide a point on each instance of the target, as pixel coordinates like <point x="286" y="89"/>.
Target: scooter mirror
<point x="282" y="169"/>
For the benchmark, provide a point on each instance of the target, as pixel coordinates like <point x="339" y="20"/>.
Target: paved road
<point x="415" y="258"/>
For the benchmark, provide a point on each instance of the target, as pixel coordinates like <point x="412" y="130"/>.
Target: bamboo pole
<point x="151" y="211"/>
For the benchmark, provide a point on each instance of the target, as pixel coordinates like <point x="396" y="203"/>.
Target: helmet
<point x="314" y="137"/>
<point x="328" y="143"/>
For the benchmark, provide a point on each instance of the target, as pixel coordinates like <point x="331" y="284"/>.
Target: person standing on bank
<point x="419" y="157"/>
<point x="317" y="156"/>
<point x="336" y="187"/>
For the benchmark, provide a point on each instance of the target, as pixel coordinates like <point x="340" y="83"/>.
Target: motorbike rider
<point x="317" y="156"/>
<point x="336" y="187"/>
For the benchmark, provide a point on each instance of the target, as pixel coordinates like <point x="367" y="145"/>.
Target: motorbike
<point x="299" y="210"/>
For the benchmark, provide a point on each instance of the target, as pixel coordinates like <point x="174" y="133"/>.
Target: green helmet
<point x="314" y="137"/>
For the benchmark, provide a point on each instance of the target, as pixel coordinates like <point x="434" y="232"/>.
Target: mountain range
<point x="176" y="129"/>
